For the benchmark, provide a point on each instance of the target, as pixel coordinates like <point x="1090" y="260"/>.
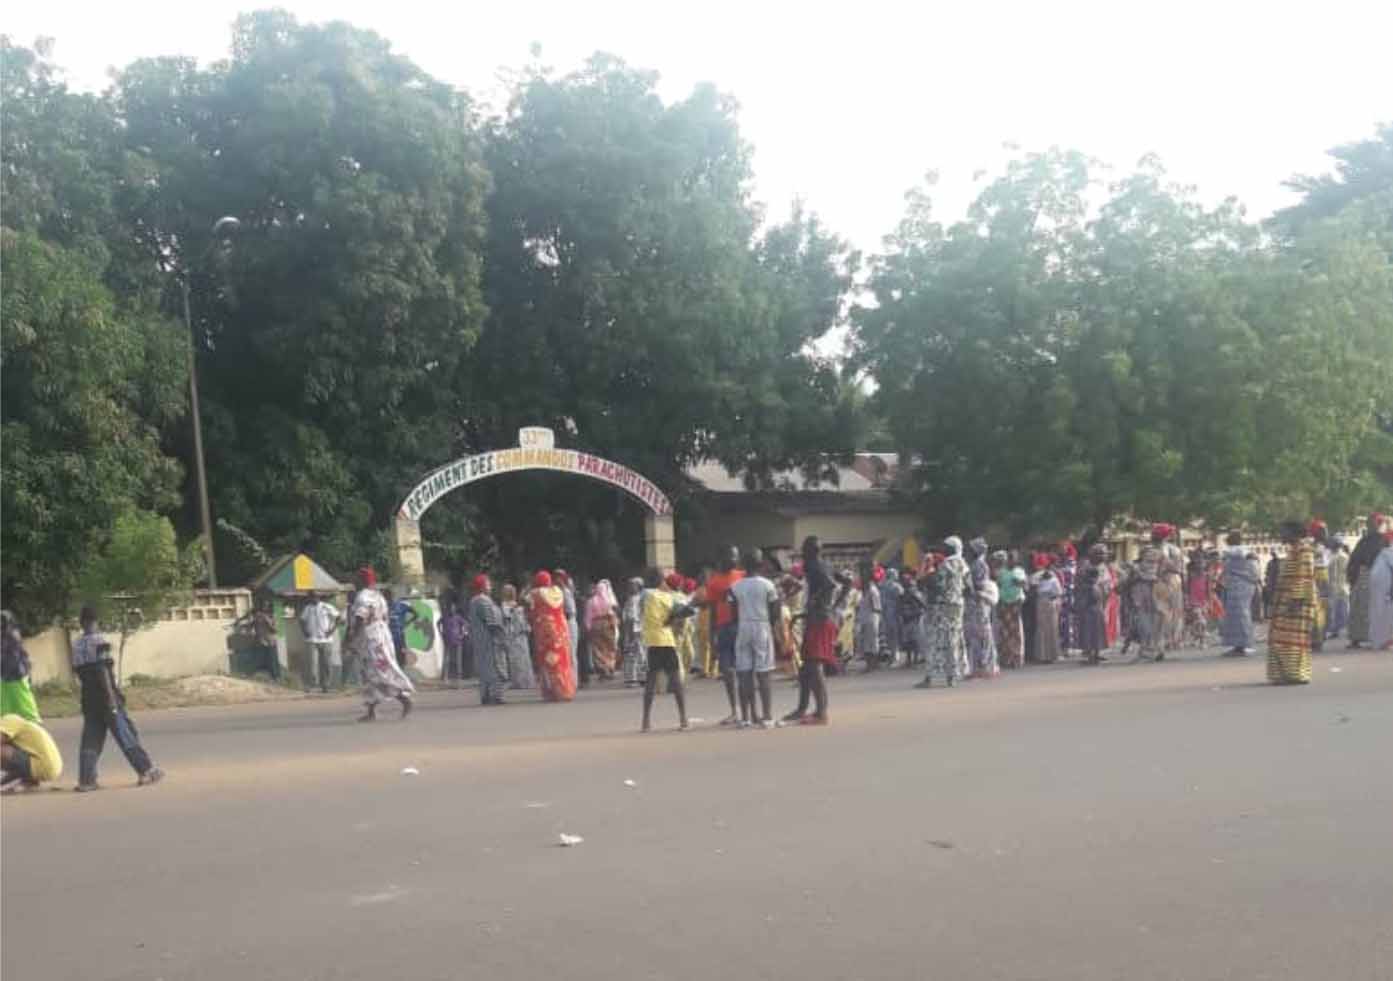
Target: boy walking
<point x="104" y="709"/>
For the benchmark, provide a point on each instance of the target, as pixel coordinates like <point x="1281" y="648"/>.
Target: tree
<point x="1362" y="168"/>
<point x="332" y="334"/>
<point x="1052" y="367"/>
<point x="84" y="389"/>
<point x="634" y="309"/>
<point x="137" y="574"/>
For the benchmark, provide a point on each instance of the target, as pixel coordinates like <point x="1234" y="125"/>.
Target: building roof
<point x="292" y="575"/>
<point x="717" y="479"/>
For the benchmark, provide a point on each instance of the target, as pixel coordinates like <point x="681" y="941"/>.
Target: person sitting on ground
<point x="28" y="754"/>
<point x="104" y="709"/>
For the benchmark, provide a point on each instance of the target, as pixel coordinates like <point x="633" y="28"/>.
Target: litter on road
<point x="570" y="841"/>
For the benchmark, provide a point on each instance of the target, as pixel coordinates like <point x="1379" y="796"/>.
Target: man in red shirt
<point x="722" y="621"/>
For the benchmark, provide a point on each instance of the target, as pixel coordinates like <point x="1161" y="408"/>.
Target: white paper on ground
<point x="568" y="841"/>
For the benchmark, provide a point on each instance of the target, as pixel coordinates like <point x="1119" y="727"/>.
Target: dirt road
<point x="1181" y="820"/>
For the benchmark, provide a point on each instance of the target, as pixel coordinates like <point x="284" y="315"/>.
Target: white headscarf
<point x="954" y="543"/>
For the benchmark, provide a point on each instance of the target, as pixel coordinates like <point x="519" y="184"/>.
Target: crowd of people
<point x="966" y="611"/>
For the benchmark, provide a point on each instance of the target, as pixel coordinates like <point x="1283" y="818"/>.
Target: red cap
<point x="673" y="580"/>
<point x="542" y="579"/>
<point x="878" y="574"/>
<point x="1162" y="530"/>
<point x="367" y="576"/>
<point x="1070" y="550"/>
<point x="1040" y="560"/>
<point x="481" y="583"/>
<point x="689" y="586"/>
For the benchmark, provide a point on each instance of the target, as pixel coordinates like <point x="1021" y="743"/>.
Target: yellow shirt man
<point x="658" y="605"/>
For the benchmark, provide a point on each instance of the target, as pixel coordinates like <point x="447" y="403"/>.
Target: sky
<point x="849" y="105"/>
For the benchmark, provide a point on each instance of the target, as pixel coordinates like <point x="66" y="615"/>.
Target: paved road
<point x="1173" y="821"/>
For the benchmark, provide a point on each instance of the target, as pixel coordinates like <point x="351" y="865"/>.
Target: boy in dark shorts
<point x="661" y="607"/>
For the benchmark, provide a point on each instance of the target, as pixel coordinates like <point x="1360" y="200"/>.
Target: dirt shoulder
<point x="142" y="693"/>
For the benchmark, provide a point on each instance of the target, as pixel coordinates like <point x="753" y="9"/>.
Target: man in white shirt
<point x="756" y="603"/>
<point x="318" y="620"/>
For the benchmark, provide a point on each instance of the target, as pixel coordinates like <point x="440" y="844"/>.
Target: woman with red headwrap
<point x="371" y="638"/>
<point x="1046" y="591"/>
<point x="551" y="640"/>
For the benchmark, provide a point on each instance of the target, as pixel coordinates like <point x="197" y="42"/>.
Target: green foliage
<point x="333" y="329"/>
<point x="84" y="389"/>
<point x="635" y="310"/>
<point x="137" y="574"/>
<point x="1053" y="368"/>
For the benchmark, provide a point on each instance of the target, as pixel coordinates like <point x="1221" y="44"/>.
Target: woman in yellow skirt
<point x="1293" y="611"/>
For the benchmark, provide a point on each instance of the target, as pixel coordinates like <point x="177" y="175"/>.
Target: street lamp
<point x="223" y="225"/>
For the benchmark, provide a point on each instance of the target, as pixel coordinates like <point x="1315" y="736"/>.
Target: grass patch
<point x="58" y="699"/>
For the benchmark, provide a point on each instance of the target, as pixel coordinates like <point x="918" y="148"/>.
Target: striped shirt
<point x="89" y="649"/>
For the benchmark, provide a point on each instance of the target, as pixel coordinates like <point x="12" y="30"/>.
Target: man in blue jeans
<point x="104" y="709"/>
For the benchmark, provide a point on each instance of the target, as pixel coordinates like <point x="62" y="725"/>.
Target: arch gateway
<point x="536" y="450"/>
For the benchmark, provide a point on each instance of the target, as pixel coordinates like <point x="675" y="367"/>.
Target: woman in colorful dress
<point x="1320" y="559"/>
<point x="517" y="640"/>
<point x="979" y="612"/>
<point x="551" y="640"/>
<point x="602" y="629"/>
<point x="16" y="695"/>
<point x="1293" y="611"/>
<point x="947" y="651"/>
<point x="371" y="638"/>
<point x="1010" y="585"/>
<point x="1169" y="596"/>
<point x="1196" y="600"/>
<point x="790" y="635"/>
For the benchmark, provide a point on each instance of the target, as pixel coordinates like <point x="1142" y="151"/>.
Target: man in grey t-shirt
<point x="756" y="603"/>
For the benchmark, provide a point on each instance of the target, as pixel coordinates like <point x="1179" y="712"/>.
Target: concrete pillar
<point x="411" y="561"/>
<point x="659" y="541"/>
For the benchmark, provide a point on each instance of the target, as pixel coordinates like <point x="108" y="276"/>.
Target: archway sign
<point x="536" y="450"/>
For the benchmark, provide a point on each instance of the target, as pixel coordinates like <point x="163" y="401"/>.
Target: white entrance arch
<point x="536" y="450"/>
